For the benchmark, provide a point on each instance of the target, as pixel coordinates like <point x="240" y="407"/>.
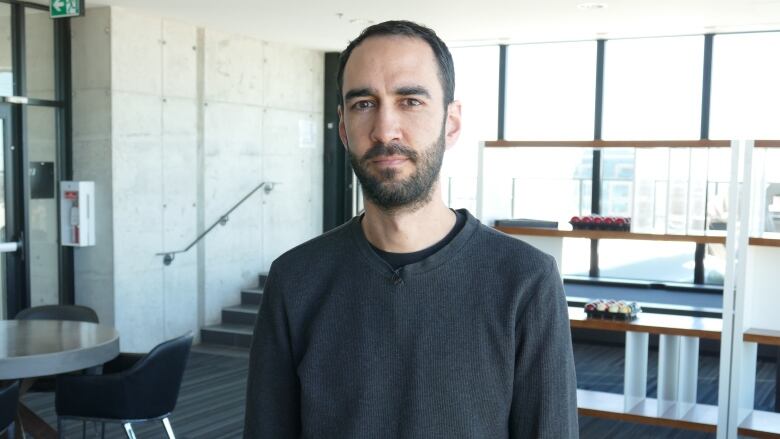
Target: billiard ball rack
<point x="598" y="222"/>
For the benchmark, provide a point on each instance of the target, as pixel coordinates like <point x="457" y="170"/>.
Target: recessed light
<point x="587" y="6"/>
<point x="361" y="21"/>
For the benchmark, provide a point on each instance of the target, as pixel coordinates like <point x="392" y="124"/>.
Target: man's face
<point x="394" y="122"/>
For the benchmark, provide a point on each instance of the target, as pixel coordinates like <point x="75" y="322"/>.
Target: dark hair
<point x="409" y="29"/>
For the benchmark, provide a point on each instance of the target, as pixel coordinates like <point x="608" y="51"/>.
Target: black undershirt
<point x="398" y="260"/>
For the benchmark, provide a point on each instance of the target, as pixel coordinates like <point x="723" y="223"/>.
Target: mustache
<point x="387" y="150"/>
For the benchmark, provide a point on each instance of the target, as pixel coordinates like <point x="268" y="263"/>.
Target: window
<point x="39" y="54"/>
<point x="745" y="86"/>
<point x="476" y="87"/>
<point x="539" y="175"/>
<point x="652" y="88"/>
<point x="550" y="91"/>
<point x="646" y="260"/>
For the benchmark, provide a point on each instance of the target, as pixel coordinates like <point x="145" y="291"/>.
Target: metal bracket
<point x="16" y="99"/>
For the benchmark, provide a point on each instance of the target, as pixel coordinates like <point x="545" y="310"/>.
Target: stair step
<point x="251" y="296"/>
<point x="237" y="321"/>
<point x="240" y="314"/>
<point x="227" y="334"/>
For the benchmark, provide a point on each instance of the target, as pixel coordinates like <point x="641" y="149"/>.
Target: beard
<point x="408" y="194"/>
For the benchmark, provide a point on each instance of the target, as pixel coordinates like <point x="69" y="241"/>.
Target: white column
<point x="747" y="382"/>
<point x="635" y="374"/>
<point x="735" y="386"/>
<point x="689" y="375"/>
<point x="727" y="332"/>
<point x="678" y="374"/>
<point x="668" y="371"/>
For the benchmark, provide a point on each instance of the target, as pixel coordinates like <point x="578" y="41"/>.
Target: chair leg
<point x="83" y="429"/>
<point x="168" y="429"/>
<point x="102" y="430"/>
<point x="11" y="431"/>
<point x="129" y="430"/>
<point x="60" y="428"/>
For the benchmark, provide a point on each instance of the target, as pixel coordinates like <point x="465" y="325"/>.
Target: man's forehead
<point x="395" y="56"/>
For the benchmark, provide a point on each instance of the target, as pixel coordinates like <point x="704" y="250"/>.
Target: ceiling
<point x="329" y="25"/>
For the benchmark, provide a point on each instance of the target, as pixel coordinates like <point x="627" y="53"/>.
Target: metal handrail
<point x="168" y="257"/>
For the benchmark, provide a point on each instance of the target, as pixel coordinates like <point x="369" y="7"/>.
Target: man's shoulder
<point x="502" y="245"/>
<point x="316" y="251"/>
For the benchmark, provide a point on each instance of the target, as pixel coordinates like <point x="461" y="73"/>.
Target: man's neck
<point x="406" y="231"/>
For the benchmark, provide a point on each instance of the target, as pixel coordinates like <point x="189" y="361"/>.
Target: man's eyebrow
<point x="359" y="93"/>
<point x="413" y="90"/>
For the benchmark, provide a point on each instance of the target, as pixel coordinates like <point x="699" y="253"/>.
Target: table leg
<point x="33" y="425"/>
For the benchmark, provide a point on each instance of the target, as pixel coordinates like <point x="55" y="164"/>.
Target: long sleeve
<point x="273" y="390"/>
<point x="544" y="402"/>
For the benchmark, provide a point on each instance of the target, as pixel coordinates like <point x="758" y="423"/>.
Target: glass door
<point x="35" y="132"/>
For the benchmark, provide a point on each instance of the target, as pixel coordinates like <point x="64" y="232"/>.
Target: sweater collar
<point x="433" y="261"/>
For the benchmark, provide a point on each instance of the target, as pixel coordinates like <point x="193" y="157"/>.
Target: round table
<point x="34" y="348"/>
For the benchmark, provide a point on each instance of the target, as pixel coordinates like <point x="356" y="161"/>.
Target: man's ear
<point x="342" y="128"/>
<point x="452" y="125"/>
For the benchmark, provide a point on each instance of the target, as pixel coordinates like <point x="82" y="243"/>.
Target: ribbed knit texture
<point x="471" y="342"/>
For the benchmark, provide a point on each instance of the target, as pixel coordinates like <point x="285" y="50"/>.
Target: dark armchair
<point x="75" y="313"/>
<point x="132" y="388"/>
<point x="9" y="397"/>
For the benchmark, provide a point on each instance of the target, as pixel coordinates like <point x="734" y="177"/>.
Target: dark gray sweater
<point x="471" y="342"/>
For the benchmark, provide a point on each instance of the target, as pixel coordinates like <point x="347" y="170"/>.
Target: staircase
<point x="237" y="321"/>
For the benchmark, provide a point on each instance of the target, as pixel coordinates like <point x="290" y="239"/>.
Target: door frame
<point x="15" y="270"/>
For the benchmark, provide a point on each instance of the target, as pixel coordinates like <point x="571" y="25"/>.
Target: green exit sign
<point x="66" y="8"/>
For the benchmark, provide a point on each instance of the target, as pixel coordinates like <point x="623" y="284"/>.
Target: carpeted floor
<point x="211" y="402"/>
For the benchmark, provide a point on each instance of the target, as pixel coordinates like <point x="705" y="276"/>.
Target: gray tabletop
<point x="32" y="348"/>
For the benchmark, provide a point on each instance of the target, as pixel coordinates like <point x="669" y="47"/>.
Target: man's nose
<point x="387" y="126"/>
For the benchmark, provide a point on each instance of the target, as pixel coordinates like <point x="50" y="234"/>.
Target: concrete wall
<point x="93" y="157"/>
<point x="197" y="118"/>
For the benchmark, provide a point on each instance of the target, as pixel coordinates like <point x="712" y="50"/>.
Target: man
<point x="411" y="320"/>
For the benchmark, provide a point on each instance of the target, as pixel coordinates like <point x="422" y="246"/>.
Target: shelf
<point x="720" y="238"/>
<point x="701" y="327"/>
<point x="761" y="424"/>
<point x="767" y="144"/>
<point x="765" y="241"/>
<point x="700" y="417"/>
<point x="606" y="234"/>
<point x="762" y="336"/>
<point x="609" y="143"/>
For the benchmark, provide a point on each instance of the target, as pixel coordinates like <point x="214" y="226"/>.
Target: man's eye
<point x="412" y="102"/>
<point x="362" y="105"/>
